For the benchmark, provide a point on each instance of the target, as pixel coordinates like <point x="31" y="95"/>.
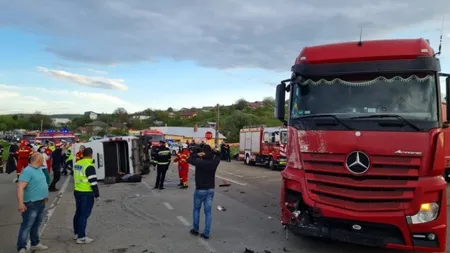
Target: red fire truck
<point x="57" y="136"/>
<point x="151" y="137"/>
<point x="367" y="146"/>
<point x="264" y="145"/>
<point x="30" y="136"/>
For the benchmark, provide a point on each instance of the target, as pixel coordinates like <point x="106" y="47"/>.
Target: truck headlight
<point x="428" y="212"/>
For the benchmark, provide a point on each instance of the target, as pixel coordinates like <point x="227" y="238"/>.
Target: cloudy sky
<point x="61" y="56"/>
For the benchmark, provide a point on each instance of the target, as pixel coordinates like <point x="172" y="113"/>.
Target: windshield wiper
<point x="324" y="116"/>
<point x="407" y="122"/>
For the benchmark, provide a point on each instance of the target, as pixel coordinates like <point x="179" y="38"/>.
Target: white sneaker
<point x="85" y="240"/>
<point x="23" y="251"/>
<point x="75" y="237"/>
<point x="39" y="247"/>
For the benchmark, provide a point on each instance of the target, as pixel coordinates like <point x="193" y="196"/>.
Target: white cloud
<point x="91" y="81"/>
<point x="215" y="33"/>
<point x="98" y="72"/>
<point x="15" y="99"/>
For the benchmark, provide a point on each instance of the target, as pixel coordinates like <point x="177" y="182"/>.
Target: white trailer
<point x="114" y="155"/>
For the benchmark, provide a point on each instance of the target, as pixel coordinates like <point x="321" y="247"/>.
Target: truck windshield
<point x="411" y="97"/>
<point x="283" y="137"/>
<point x="155" y="137"/>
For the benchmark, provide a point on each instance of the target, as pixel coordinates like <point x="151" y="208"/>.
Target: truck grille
<point x="387" y="186"/>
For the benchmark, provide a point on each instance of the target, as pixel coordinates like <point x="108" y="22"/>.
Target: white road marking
<point x="207" y="246"/>
<point x="224" y="178"/>
<point x="168" y="205"/>
<point x="184" y="221"/>
<point x="150" y="189"/>
<point x="236" y="175"/>
<point x="52" y="208"/>
<point x="229" y="180"/>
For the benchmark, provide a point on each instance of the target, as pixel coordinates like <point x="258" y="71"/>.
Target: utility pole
<point x="42" y="125"/>
<point x="217" y="125"/>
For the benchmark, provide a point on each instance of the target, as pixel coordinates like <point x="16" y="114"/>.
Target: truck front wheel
<point x="271" y="164"/>
<point x="447" y="175"/>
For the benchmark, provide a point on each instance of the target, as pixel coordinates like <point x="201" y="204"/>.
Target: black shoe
<point x="53" y="190"/>
<point x="204" y="236"/>
<point x="184" y="187"/>
<point x="154" y="188"/>
<point x="162" y="188"/>
<point x="193" y="232"/>
<point x="180" y="184"/>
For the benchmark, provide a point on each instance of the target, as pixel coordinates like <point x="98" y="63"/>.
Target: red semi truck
<point x="367" y="145"/>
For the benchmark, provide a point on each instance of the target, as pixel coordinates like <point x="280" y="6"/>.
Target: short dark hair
<point x="87" y="152"/>
<point x="208" y="152"/>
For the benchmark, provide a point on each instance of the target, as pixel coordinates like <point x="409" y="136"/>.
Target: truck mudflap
<point x="367" y="234"/>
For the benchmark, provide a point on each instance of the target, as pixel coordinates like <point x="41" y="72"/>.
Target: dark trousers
<point x="84" y="202"/>
<point x="161" y="175"/>
<point x="56" y="178"/>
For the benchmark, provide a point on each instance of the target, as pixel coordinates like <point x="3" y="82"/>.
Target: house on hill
<point x="255" y="104"/>
<point x="183" y="134"/>
<point x="95" y="127"/>
<point x="188" y="115"/>
<point x="92" y="115"/>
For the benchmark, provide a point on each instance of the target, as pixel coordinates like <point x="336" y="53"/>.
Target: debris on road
<point x="286" y="249"/>
<point x="224" y="184"/>
<point x="242" y="192"/>
<point x="247" y="250"/>
<point x="267" y="251"/>
<point x="270" y="218"/>
<point x="221" y="208"/>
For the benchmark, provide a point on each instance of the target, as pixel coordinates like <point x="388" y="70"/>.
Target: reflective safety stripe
<point x="92" y="176"/>
<point x="163" y="163"/>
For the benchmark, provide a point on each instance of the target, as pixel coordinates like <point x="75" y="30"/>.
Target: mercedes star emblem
<point x="357" y="162"/>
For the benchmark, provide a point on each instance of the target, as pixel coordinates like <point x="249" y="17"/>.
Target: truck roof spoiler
<point x="444" y="74"/>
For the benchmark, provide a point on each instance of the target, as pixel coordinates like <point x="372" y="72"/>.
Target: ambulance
<point x="116" y="155"/>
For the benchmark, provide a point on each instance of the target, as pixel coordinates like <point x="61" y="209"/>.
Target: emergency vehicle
<point x="116" y="155"/>
<point x="367" y="145"/>
<point x="152" y="137"/>
<point x="57" y="136"/>
<point x="264" y="145"/>
<point x="30" y="136"/>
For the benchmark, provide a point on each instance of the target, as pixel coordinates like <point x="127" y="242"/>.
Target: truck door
<point x="98" y="156"/>
<point x="136" y="158"/>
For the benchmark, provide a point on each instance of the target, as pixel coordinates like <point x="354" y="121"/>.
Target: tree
<point x="121" y="115"/>
<point x="241" y="104"/>
<point x="170" y="109"/>
<point x="236" y="121"/>
<point x="269" y="102"/>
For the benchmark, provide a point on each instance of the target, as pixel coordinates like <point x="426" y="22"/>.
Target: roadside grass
<point x="5" y="145"/>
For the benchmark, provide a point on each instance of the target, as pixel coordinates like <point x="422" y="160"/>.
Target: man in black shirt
<point x="206" y="163"/>
<point x="57" y="159"/>
<point x="162" y="158"/>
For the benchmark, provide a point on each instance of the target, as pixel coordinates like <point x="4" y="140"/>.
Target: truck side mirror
<point x="447" y="99"/>
<point x="280" y="100"/>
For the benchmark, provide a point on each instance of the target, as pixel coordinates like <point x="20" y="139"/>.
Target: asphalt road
<point x="131" y="217"/>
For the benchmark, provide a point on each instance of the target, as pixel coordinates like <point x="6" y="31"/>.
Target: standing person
<point x="176" y="160"/>
<point x="79" y="154"/>
<point x="32" y="194"/>
<point x="24" y="153"/>
<point x="184" y="167"/>
<point x="11" y="163"/>
<point x="206" y="163"/>
<point x="85" y="192"/>
<point x="56" y="162"/>
<point x="163" y="157"/>
<point x="44" y="166"/>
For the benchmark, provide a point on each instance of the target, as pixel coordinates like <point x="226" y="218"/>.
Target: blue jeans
<point x="206" y="197"/>
<point x="32" y="219"/>
<point x="84" y="202"/>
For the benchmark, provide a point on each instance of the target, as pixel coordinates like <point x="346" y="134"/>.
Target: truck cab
<point x="366" y="145"/>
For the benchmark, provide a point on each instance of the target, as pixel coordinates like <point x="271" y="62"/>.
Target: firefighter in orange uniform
<point x="24" y="153"/>
<point x="176" y="160"/>
<point x="48" y="152"/>
<point x="183" y="166"/>
<point x="79" y="154"/>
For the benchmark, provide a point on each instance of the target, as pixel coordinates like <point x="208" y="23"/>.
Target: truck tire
<point x="247" y="160"/>
<point x="447" y="175"/>
<point x="271" y="164"/>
